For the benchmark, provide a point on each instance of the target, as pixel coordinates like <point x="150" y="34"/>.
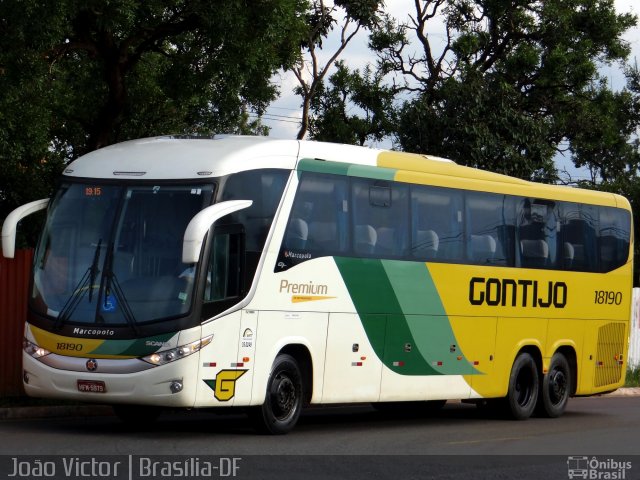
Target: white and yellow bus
<point x="271" y="274"/>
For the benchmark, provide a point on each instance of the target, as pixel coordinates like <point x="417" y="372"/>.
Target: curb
<point x="625" y="392"/>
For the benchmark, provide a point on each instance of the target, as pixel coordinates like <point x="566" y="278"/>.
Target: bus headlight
<point x="168" y="356"/>
<point x="34" y="350"/>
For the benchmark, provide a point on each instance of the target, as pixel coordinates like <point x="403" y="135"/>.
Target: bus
<point x="267" y="275"/>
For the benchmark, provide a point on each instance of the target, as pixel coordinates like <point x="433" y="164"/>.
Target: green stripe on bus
<point x="321" y="166"/>
<point x="376" y="302"/>
<point x="136" y="348"/>
<point x="352" y="170"/>
<point x="376" y="173"/>
<point x="418" y="339"/>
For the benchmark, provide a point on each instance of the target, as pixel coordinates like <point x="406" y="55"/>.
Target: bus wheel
<point x="136" y="415"/>
<point x="524" y="384"/>
<point x="556" y="386"/>
<point x="283" y="402"/>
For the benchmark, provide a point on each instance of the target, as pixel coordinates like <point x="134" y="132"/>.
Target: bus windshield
<point x="112" y="254"/>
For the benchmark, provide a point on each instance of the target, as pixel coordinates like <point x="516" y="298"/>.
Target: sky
<point x="283" y="115"/>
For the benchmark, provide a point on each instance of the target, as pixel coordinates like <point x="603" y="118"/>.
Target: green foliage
<point x="348" y="92"/>
<point x="599" y="127"/>
<point x="633" y="377"/>
<point x="478" y="121"/>
<point x="364" y="12"/>
<point x="349" y="16"/>
<point x="76" y="76"/>
<point x="507" y="86"/>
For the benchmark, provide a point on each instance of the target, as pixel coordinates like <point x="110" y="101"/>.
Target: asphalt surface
<point x="49" y="411"/>
<point x="340" y="442"/>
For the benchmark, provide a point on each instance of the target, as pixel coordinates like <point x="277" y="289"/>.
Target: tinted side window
<point x="265" y="188"/>
<point x="436" y="224"/>
<point x="490" y="227"/>
<point x="318" y="224"/>
<point x="537" y="240"/>
<point x="380" y="218"/>
<point x="613" y="238"/>
<point x="349" y="216"/>
<point x="579" y="240"/>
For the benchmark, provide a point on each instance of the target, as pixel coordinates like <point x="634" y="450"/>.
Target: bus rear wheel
<point x="524" y="385"/>
<point x="283" y="402"/>
<point x="556" y="387"/>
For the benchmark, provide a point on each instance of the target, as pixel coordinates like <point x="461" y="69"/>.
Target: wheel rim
<point x="284" y="397"/>
<point x="557" y="387"/>
<point x="524" y="387"/>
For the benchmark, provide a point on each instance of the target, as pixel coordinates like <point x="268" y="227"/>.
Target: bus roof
<point x="175" y="157"/>
<point x="168" y="157"/>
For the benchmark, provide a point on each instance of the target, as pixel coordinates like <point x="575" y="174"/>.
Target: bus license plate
<point x="92" y="386"/>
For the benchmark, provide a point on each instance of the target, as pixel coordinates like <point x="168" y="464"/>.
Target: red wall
<point x="14" y="287"/>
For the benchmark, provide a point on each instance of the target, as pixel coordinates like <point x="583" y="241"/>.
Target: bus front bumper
<point x="169" y="385"/>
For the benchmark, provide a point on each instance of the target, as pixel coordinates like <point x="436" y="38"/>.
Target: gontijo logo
<point x="304" y="292"/>
<point x="224" y="385"/>
<point x="517" y="293"/>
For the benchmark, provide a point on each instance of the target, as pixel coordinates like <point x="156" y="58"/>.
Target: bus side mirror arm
<point x="201" y="223"/>
<point x="10" y="224"/>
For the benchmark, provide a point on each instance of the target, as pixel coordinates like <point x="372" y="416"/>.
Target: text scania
<point x="517" y="293"/>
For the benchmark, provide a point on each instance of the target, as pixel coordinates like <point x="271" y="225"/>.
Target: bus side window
<point x="579" y="224"/>
<point x="318" y="225"/>
<point x="322" y="201"/>
<point x="224" y="280"/>
<point x="380" y="218"/>
<point x="436" y="224"/>
<point x="264" y="187"/>
<point x="613" y="238"/>
<point x="489" y="225"/>
<point x="538" y="232"/>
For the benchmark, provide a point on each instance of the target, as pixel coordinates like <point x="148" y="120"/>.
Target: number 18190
<point x="607" y="297"/>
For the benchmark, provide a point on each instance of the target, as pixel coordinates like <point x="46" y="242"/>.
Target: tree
<point x="310" y="70"/>
<point x="361" y="93"/>
<point x="479" y="122"/>
<point x="500" y="87"/>
<point x="600" y="132"/>
<point x="76" y="76"/>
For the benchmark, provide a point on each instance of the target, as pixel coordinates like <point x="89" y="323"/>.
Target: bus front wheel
<point x="524" y="384"/>
<point x="556" y="386"/>
<point x="283" y="401"/>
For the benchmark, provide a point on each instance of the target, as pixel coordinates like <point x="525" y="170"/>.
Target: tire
<point x="556" y="388"/>
<point x="524" y="384"/>
<point x="284" y="398"/>
<point x="136" y="415"/>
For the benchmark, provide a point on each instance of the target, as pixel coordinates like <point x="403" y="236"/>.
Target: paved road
<point x="599" y="426"/>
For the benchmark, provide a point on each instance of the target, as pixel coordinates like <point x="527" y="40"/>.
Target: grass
<point x="633" y="377"/>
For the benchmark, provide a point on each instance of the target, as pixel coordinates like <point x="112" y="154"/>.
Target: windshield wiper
<point x="112" y="284"/>
<point x="86" y="283"/>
